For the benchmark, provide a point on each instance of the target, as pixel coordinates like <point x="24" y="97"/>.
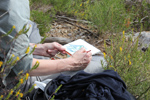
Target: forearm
<point x="48" y="67"/>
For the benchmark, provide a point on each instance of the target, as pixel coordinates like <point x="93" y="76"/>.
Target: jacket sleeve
<point x="14" y="13"/>
<point x="18" y="53"/>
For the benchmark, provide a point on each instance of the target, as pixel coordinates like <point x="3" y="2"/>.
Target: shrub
<point x="131" y="64"/>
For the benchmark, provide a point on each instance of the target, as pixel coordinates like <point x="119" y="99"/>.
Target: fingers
<point x="59" y="47"/>
<point x="82" y="50"/>
<point x="52" y="52"/>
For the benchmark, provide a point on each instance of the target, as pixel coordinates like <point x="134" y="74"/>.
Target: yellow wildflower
<point x="27" y="51"/>
<point x="18" y="92"/>
<point x="21" y="94"/>
<point x="110" y="66"/>
<point x="37" y="62"/>
<point x="125" y="58"/>
<point x="14" y="26"/>
<point x="34" y="85"/>
<point x="111" y="57"/>
<point x="30" y="25"/>
<point x="17" y="58"/>
<point x="2" y="96"/>
<point x="123" y="32"/>
<point x="129" y="62"/>
<point x="35" y="45"/>
<point x="13" y="55"/>
<point x="21" y="80"/>
<point x="27" y="75"/>
<point x="128" y="55"/>
<point x="80" y="4"/>
<point x="121" y="49"/>
<point x="104" y="55"/>
<point x="76" y="12"/>
<point x="1" y="63"/>
<point x="88" y="1"/>
<point x="82" y="14"/>
<point x="11" y="92"/>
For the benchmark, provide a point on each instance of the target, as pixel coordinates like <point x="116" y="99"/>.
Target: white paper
<point x="42" y="84"/>
<point x="72" y="47"/>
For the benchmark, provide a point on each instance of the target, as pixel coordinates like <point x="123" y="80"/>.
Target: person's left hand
<point x="51" y="49"/>
<point x="48" y="49"/>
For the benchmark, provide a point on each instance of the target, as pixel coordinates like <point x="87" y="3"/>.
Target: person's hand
<point x="51" y="49"/>
<point x="80" y="59"/>
<point x="48" y="49"/>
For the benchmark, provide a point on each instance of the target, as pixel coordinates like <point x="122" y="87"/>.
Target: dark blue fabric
<point x="84" y="86"/>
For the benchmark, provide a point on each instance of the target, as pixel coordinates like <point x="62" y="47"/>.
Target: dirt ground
<point x="76" y="30"/>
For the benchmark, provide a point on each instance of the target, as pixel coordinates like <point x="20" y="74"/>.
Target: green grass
<point x="43" y="20"/>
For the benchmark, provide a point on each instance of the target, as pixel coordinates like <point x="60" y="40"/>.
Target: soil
<point x="63" y="29"/>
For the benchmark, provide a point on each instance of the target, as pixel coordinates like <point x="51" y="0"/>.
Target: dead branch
<point x="4" y="13"/>
<point x="81" y="28"/>
<point x="60" y="40"/>
<point x="74" y="20"/>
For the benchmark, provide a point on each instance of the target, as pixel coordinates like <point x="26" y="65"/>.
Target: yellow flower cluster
<point x="21" y="80"/>
<point x="104" y="55"/>
<point x="80" y="4"/>
<point x="21" y="94"/>
<point x="1" y="63"/>
<point x="2" y="96"/>
<point x="17" y="58"/>
<point x="88" y="1"/>
<point x="37" y="62"/>
<point x="28" y="50"/>
<point x="11" y="91"/>
<point x="18" y="92"/>
<point x="35" y="45"/>
<point x="121" y="49"/>
<point x="14" y="27"/>
<point x="30" y="25"/>
<point x="123" y="32"/>
<point x="13" y="55"/>
<point x="111" y="57"/>
<point x="76" y="12"/>
<point x="27" y="75"/>
<point x="34" y="85"/>
<point x="129" y="62"/>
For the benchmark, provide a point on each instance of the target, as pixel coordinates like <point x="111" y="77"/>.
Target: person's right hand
<point x="80" y="59"/>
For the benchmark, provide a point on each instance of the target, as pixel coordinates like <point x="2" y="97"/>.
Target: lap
<point x="95" y="66"/>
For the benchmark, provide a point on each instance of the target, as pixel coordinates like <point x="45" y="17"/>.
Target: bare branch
<point x="4" y="13"/>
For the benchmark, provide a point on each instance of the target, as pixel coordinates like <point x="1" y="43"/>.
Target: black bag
<point x="40" y="95"/>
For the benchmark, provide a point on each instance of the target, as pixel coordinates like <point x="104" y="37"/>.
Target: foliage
<point x="131" y="64"/>
<point x="42" y="19"/>
<point x="15" y="92"/>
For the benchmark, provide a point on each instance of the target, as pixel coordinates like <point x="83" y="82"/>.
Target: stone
<point x="144" y="39"/>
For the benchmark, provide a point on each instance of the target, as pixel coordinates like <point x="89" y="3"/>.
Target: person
<point x="16" y="14"/>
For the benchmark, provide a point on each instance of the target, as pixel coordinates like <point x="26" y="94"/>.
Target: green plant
<point x="131" y="64"/>
<point x="9" y="93"/>
<point x="42" y="19"/>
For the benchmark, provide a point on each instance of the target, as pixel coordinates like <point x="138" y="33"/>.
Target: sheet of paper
<point x="77" y="44"/>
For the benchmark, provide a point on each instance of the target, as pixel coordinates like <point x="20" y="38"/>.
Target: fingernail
<point x="49" y="50"/>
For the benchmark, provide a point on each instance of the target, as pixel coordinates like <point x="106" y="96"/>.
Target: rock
<point x="69" y="34"/>
<point x="60" y="40"/>
<point x="133" y="1"/>
<point x="144" y="39"/>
